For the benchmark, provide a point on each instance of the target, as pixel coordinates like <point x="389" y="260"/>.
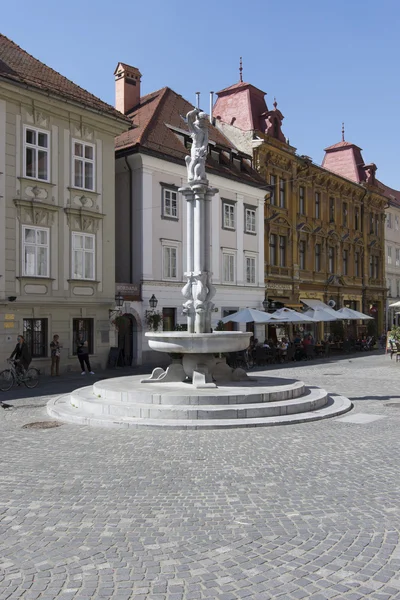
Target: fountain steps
<point x="297" y="403"/>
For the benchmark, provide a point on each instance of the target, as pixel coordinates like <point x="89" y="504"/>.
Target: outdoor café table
<point x="319" y="349"/>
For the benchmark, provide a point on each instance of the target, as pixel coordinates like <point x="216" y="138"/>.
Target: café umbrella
<point x="287" y="315"/>
<point x="322" y="316"/>
<point x="352" y="315"/>
<point x="248" y="315"/>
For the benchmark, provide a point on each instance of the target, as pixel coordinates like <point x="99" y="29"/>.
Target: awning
<point x="290" y="305"/>
<point x="318" y="304"/>
<point x="395" y="305"/>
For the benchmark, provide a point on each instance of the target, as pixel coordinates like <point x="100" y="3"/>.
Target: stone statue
<point x="196" y="162"/>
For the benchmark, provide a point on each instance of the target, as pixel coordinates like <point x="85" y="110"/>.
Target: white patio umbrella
<point x="352" y="315"/>
<point x="321" y="315"/>
<point x="248" y="315"/>
<point x="287" y="315"/>
<point x="395" y="305"/>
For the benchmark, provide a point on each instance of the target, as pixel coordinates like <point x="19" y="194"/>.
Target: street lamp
<point x="119" y="300"/>
<point x="153" y="302"/>
<point x="265" y="304"/>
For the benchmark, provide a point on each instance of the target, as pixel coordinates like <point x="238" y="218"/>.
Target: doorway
<point x="127" y="340"/>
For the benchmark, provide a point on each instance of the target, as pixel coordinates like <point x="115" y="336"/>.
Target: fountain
<point x="198" y="389"/>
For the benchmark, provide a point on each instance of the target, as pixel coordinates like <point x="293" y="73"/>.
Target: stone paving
<point x="290" y="512"/>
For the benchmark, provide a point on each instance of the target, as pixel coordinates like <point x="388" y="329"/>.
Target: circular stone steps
<point x="262" y="401"/>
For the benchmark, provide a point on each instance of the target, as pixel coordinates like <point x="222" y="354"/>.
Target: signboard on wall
<point x="130" y="291"/>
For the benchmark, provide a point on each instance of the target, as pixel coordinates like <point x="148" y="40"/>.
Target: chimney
<point x="127" y="87"/>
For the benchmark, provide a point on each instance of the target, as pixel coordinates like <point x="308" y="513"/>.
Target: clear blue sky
<point x="326" y="62"/>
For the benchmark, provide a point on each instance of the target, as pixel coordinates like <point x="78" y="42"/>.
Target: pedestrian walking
<point x="82" y="350"/>
<point x="55" y="356"/>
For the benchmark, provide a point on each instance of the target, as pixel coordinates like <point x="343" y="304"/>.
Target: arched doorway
<point x="127" y="340"/>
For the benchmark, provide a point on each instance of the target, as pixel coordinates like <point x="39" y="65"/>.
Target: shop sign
<point x="9" y="317"/>
<point x="130" y="291"/>
<point x="279" y="286"/>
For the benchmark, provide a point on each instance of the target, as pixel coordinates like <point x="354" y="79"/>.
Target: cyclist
<point x="22" y="356"/>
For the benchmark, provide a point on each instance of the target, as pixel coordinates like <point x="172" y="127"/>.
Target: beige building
<point x="57" y="253"/>
<point x="151" y="217"/>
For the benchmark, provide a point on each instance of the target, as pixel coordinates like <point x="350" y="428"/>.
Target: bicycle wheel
<point x="31" y="378"/>
<point x="6" y="380"/>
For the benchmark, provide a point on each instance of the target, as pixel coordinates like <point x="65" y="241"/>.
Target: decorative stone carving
<point x="83" y="220"/>
<point x="30" y="213"/>
<point x="83" y="201"/>
<point x="38" y="193"/>
<point x="82" y="131"/>
<point x="196" y="162"/>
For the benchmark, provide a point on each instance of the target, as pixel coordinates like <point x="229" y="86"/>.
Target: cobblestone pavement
<point x="300" y="511"/>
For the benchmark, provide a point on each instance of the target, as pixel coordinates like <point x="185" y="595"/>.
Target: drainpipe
<point x="130" y="220"/>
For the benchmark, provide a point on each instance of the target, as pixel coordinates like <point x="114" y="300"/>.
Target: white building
<point x="151" y="216"/>
<point x="57" y="252"/>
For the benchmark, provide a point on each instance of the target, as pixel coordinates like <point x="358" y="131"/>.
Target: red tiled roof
<point x="154" y="119"/>
<point x="345" y="159"/>
<point x="16" y="65"/>
<point x="238" y="86"/>
<point x="392" y="195"/>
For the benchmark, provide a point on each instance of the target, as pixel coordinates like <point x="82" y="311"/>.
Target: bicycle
<point x="10" y="376"/>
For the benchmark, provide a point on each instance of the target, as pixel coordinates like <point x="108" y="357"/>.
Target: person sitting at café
<point x="282" y="348"/>
<point x="307" y="341"/>
<point x="297" y="339"/>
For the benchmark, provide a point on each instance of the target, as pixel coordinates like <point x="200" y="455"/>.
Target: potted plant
<point x="154" y="320"/>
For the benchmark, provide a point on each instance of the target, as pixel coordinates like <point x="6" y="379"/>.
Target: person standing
<point x="82" y="351"/>
<point x="21" y="354"/>
<point x="55" y="356"/>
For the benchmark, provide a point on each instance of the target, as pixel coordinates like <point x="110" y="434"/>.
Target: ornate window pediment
<point x="31" y="212"/>
<point x="80" y="219"/>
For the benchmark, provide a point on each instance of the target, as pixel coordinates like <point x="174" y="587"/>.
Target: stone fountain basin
<point x="181" y="342"/>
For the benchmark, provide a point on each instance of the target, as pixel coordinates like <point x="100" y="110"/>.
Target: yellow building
<point x="324" y="225"/>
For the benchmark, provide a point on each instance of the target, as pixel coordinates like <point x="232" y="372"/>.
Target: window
<point x="35" y="251"/>
<point x="83" y="255"/>
<point x="35" y="335"/>
<point x="318" y="257"/>
<point x="344" y="214"/>
<point x="229" y="268"/>
<point x="282" y="251"/>
<point x="331" y="209"/>
<point x="229" y="216"/>
<point x="317" y="205"/>
<point x="371" y="222"/>
<point x="250" y="220"/>
<point x="397" y="257"/>
<point x="84" y="328"/>
<point x="389" y="285"/>
<point x="389" y="220"/>
<point x="396" y="223"/>
<point x="170" y="204"/>
<point x="36" y="154"/>
<point x="169" y="319"/>
<point x="83" y="157"/>
<point x="272" y="182"/>
<point x="371" y="266"/>
<point x="389" y="255"/>
<point x="302" y="203"/>
<point x="282" y="192"/>
<point x="272" y="249"/>
<point x="357" y="263"/>
<point x="376" y="267"/>
<point x="397" y="288"/>
<point x="331" y="260"/>
<point x="376" y="224"/>
<point x="357" y="219"/>
<point x="302" y="254"/>
<point x="169" y="262"/>
<point x="250" y="269"/>
<point x="345" y="261"/>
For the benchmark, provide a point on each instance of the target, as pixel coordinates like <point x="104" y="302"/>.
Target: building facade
<point x="324" y="225"/>
<point x="392" y="255"/>
<point x="57" y="222"/>
<point x="151" y="217"/>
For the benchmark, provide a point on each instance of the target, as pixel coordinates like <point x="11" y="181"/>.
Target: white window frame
<point x="248" y="258"/>
<point x="250" y="217"/>
<point x="389" y="220"/>
<point x="35" y="245"/>
<point x="169" y="212"/>
<point x="229" y="221"/>
<point x="302" y="255"/>
<point x="231" y="267"/>
<point x="165" y="249"/>
<point x="389" y="255"/>
<point x="84" y="251"/>
<point x="397" y="254"/>
<point x="396" y="222"/>
<point x="36" y="148"/>
<point x="84" y="160"/>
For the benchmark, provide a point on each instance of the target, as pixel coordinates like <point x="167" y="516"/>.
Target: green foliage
<point x="154" y="320"/>
<point x="121" y="323"/>
<point x="395" y="334"/>
<point x="220" y="326"/>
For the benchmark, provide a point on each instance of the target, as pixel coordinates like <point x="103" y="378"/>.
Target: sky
<point x="325" y="62"/>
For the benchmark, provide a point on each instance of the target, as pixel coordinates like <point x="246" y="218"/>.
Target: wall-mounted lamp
<point x="119" y="300"/>
<point x="153" y="302"/>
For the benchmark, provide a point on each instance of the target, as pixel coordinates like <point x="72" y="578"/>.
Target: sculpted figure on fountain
<point x="198" y="127"/>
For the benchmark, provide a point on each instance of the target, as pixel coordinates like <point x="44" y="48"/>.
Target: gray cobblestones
<point x="304" y="511"/>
